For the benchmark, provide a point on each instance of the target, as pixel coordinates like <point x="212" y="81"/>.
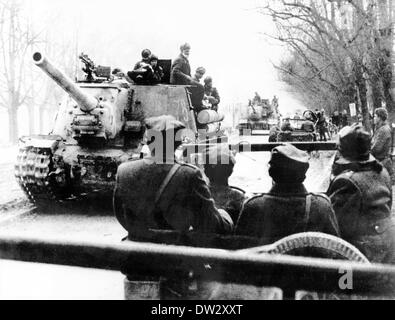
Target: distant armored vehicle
<point x="261" y="116"/>
<point x="295" y="129"/>
<point x="98" y="126"/>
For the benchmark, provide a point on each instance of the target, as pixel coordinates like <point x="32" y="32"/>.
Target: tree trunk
<point x="361" y="83"/>
<point x="41" y="119"/>
<point x="13" y="125"/>
<point x="30" y="111"/>
<point x="389" y="102"/>
<point x="376" y="93"/>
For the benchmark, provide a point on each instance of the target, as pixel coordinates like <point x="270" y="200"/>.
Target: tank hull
<point x="246" y="126"/>
<point x="285" y="136"/>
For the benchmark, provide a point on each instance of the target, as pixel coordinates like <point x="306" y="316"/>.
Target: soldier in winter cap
<point x="288" y="164"/>
<point x="361" y="194"/>
<point x="288" y="207"/>
<point x="218" y="167"/>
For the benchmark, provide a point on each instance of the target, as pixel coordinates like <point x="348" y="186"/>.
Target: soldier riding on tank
<point x="99" y="125"/>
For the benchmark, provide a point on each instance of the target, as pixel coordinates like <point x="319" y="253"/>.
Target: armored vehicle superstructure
<point x="300" y="128"/>
<point x="97" y="127"/>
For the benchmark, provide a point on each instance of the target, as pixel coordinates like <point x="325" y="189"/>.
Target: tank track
<point x="36" y="175"/>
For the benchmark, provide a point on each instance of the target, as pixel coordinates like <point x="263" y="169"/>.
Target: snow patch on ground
<point x="8" y="154"/>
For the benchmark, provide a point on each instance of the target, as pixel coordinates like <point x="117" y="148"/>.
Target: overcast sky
<point x="226" y="37"/>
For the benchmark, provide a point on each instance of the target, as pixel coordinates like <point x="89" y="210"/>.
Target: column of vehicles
<point x="98" y="126"/>
<point x="263" y="118"/>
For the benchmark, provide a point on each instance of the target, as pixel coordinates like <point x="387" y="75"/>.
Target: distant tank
<point x="260" y="116"/>
<point x="295" y="129"/>
<point x="98" y="126"/>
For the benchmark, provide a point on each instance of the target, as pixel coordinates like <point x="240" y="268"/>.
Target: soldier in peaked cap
<point x="218" y="168"/>
<point x="160" y="193"/>
<point x="362" y="197"/>
<point x="288" y="207"/>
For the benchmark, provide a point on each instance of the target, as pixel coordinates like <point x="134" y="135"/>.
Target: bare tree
<point x="333" y="59"/>
<point x="22" y="83"/>
<point x="16" y="41"/>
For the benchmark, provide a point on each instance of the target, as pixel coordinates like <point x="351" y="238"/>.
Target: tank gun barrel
<point x="85" y="101"/>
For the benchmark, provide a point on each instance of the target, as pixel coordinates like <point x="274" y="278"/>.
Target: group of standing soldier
<point x="202" y="96"/>
<point x="160" y="193"/>
<point x="356" y="207"/>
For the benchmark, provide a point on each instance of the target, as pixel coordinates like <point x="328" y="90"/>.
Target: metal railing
<point x="286" y="272"/>
<point x="245" y="146"/>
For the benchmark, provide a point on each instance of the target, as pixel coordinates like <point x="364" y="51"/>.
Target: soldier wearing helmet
<point x="288" y="208"/>
<point x="145" y="56"/>
<point x="361" y="194"/>
<point x="142" y="72"/>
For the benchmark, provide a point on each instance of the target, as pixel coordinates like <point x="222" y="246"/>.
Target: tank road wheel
<point x="311" y="244"/>
<point x="319" y="245"/>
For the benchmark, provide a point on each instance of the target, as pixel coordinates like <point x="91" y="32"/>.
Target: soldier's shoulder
<point x="187" y="165"/>
<point x="130" y="164"/>
<point x="345" y="175"/>
<point x="388" y="130"/>
<point x="321" y="197"/>
<point x="254" y="199"/>
<point x="129" y="169"/>
<point x="233" y="188"/>
<point x="187" y="168"/>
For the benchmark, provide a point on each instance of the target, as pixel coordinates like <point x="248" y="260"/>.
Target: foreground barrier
<point x="286" y="272"/>
<point x="245" y="146"/>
